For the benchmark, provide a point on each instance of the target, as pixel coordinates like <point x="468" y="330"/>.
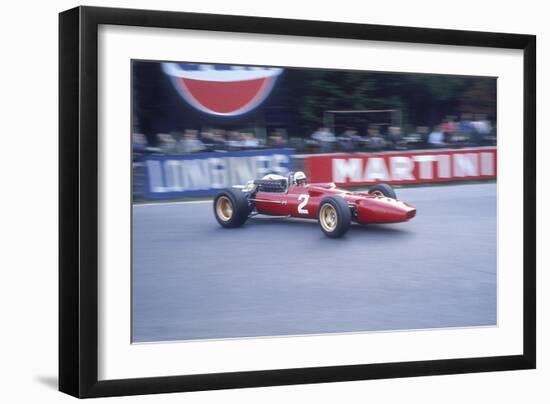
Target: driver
<point x="273" y="177"/>
<point x="300" y="178"/>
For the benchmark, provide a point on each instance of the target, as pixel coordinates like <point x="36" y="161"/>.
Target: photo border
<point x="78" y="201"/>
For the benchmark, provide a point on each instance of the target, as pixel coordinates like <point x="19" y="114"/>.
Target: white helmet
<point x="300" y="178"/>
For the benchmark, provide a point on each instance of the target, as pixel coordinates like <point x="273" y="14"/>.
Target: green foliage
<point x="424" y="99"/>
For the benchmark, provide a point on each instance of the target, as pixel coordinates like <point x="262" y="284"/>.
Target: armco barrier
<point x="410" y="167"/>
<point x="203" y="174"/>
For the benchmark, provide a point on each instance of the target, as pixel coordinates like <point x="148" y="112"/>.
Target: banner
<point x="222" y="90"/>
<point x="203" y="174"/>
<point x="411" y="167"/>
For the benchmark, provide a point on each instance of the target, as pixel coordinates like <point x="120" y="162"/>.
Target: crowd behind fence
<point x="469" y="130"/>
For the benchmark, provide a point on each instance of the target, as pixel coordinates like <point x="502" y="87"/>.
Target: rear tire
<point x="383" y="190"/>
<point x="231" y="208"/>
<point x="334" y="216"/>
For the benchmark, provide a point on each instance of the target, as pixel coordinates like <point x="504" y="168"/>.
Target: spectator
<point x="214" y="140"/>
<point x="395" y="138"/>
<point x="437" y="138"/>
<point x="208" y="139"/>
<point x="465" y="129"/>
<point x="483" y="128"/>
<point x="278" y="139"/>
<point x="417" y="139"/>
<point x="166" y="142"/>
<point x="325" y="139"/>
<point x="349" y="140"/>
<point x="448" y="128"/>
<point x="374" y="140"/>
<point x="481" y="124"/>
<point x="139" y="142"/>
<point x="250" y="141"/>
<point x="219" y="139"/>
<point x="189" y="143"/>
<point x="139" y="146"/>
<point x="234" y="140"/>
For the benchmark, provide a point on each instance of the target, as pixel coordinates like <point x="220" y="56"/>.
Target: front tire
<point x="383" y="190"/>
<point x="231" y="208"/>
<point x="334" y="216"/>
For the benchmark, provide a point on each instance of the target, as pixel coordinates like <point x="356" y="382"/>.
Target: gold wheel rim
<point x="224" y="208"/>
<point x="328" y="217"/>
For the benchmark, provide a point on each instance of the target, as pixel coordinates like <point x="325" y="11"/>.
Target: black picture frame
<point x="78" y="196"/>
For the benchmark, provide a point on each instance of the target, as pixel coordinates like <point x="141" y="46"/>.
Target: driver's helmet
<point x="300" y="178"/>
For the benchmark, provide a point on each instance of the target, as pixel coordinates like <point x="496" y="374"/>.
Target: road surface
<point x="193" y="279"/>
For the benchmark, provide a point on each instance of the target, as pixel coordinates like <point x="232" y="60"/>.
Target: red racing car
<point x="334" y="208"/>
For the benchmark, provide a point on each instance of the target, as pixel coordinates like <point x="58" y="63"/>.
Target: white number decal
<point x="304" y="198"/>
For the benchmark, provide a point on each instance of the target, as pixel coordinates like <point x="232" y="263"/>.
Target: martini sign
<point x="222" y="90"/>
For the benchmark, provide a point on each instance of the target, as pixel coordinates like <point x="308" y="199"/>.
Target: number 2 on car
<point x="301" y="207"/>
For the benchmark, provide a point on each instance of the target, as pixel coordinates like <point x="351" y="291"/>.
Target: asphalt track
<point x="193" y="279"/>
